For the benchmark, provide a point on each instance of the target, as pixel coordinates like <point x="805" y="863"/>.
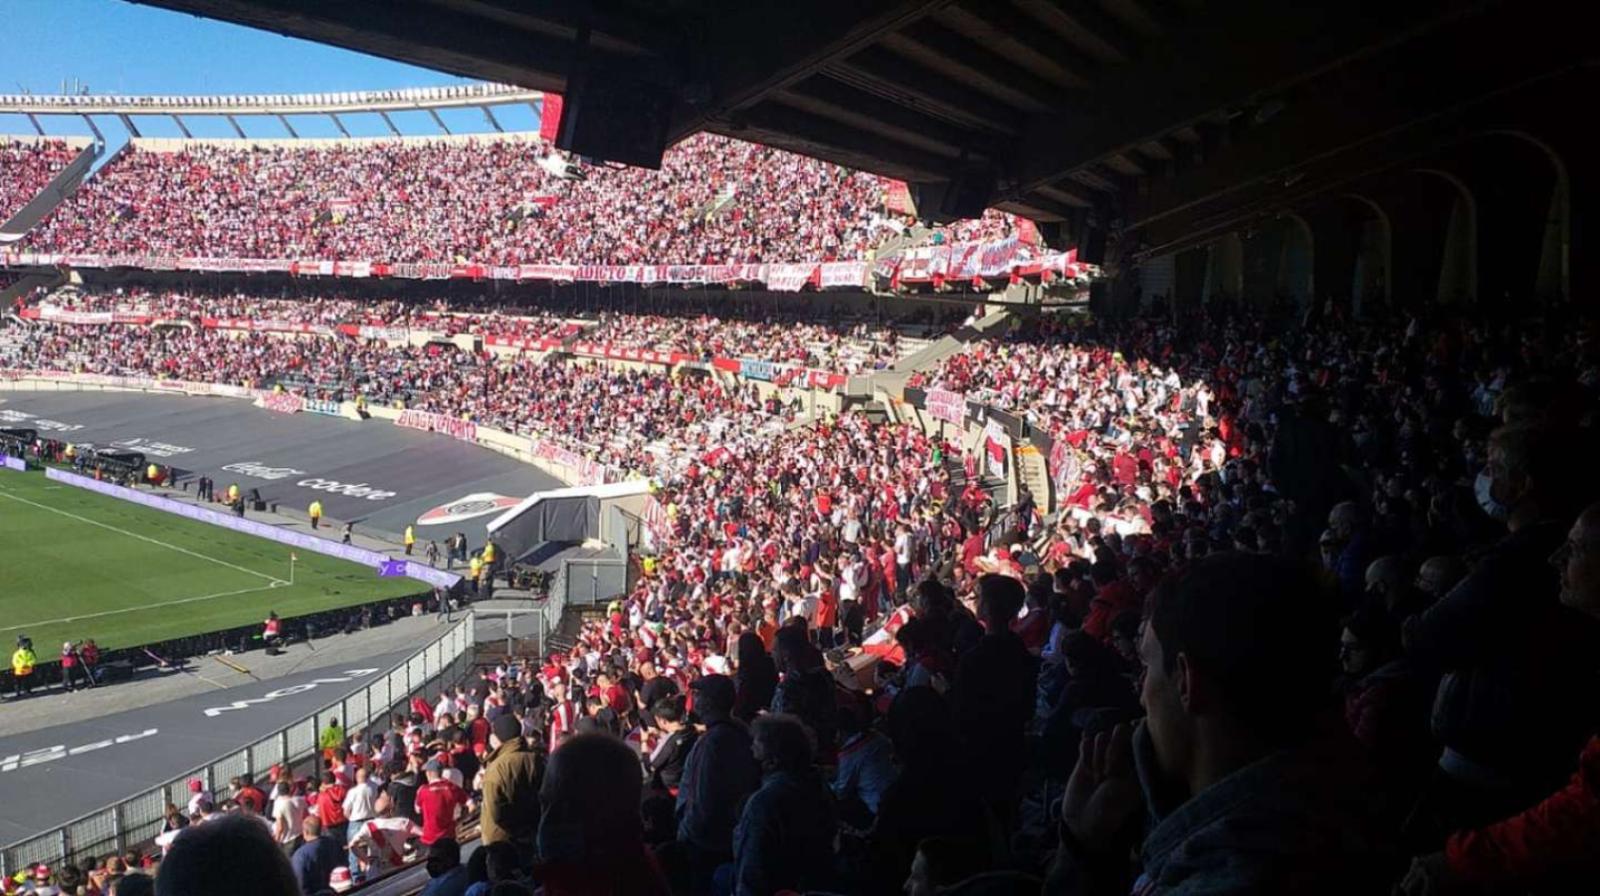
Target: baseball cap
<point x="432" y="765"/>
<point x="195" y="786"/>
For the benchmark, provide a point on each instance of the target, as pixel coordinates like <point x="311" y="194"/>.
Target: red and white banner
<point x="1064" y="465"/>
<point x="1010" y="257"/>
<point x="283" y="402"/>
<point x="585" y="471"/>
<point x="535" y="344"/>
<point x="265" y="326"/>
<point x="842" y="273"/>
<point x="942" y="404"/>
<point x="455" y="427"/>
<point x="789" y="277"/>
<point x="996" y="445"/>
<point x="656" y="524"/>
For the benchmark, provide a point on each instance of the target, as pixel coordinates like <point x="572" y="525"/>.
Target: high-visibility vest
<point x="154" y="472"/>
<point x="22" y="662"/>
<point x="233" y="492"/>
<point x="316" y="509"/>
<point x="411" y="535"/>
<point x="477" y="566"/>
<point x="488" y="552"/>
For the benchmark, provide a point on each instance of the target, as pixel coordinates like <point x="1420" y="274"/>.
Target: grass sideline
<point x="75" y="564"/>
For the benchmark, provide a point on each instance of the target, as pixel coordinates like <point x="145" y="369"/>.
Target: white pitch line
<point x="169" y="603"/>
<point x="155" y="541"/>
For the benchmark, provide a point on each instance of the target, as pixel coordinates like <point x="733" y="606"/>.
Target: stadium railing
<point x="138" y="819"/>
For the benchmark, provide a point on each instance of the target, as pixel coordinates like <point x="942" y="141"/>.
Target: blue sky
<point x="111" y="46"/>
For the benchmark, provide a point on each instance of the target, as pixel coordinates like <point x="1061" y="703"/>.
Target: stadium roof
<point x="1162" y="115"/>
<point x="129" y="109"/>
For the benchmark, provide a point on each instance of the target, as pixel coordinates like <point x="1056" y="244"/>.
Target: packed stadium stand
<point x="27" y="165"/>
<point x="1256" y="552"/>
<point x="479" y="199"/>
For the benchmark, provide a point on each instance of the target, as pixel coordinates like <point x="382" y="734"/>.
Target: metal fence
<point x="592" y="582"/>
<point x="138" y="819"/>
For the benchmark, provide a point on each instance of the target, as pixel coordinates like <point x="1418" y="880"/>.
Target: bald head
<point x="1578" y="562"/>
<point x="1386" y="575"/>
<point x="1439" y="574"/>
<point x="1346" y="518"/>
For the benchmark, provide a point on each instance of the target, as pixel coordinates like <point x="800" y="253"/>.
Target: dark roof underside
<point x="1168" y="117"/>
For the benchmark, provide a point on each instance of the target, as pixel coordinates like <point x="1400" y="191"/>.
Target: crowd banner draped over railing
<point x="455" y="427"/>
<point x="1001" y="259"/>
<point x="588" y="471"/>
<point x="942" y="404"/>
<point x="1008" y="259"/>
<point x="282" y="402"/>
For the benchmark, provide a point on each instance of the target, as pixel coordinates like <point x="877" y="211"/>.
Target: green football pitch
<point x="75" y="564"/>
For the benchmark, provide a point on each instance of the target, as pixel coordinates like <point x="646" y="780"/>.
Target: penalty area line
<point x="145" y="538"/>
<point x="167" y="603"/>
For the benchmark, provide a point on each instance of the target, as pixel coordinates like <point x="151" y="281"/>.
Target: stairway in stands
<point x="994" y="485"/>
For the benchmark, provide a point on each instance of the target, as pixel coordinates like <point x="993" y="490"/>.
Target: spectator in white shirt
<point x="288" y="814"/>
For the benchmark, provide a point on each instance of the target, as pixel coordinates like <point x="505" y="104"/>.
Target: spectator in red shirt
<point x="1113" y="595"/>
<point x="439" y="802"/>
<point x="330" y="808"/>
<point x="248" y="795"/>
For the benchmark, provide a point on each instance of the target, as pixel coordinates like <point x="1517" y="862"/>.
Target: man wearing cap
<point x="511" y="780"/>
<point x="439" y="802"/>
<point x="197" y="794"/>
<point x="720" y="773"/>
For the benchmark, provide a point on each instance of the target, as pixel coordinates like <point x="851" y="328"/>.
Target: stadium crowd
<point x="1319" y="616"/>
<point x="489" y="201"/>
<point x="26" y="167"/>
<point x="838" y="343"/>
<point x="610" y="414"/>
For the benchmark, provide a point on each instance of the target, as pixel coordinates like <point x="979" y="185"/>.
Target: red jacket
<point x="1109" y="603"/>
<point x="1560" y="834"/>
<point x="330" y="805"/>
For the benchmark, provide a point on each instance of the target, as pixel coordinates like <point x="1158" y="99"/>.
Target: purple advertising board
<point x="302" y="540"/>
<point x="13" y="463"/>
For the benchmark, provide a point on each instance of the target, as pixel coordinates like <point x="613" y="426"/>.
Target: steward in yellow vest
<point x="22" y="663"/>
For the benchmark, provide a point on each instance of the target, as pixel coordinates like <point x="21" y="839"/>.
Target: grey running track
<point x="44" y="784"/>
<point x="423" y="470"/>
